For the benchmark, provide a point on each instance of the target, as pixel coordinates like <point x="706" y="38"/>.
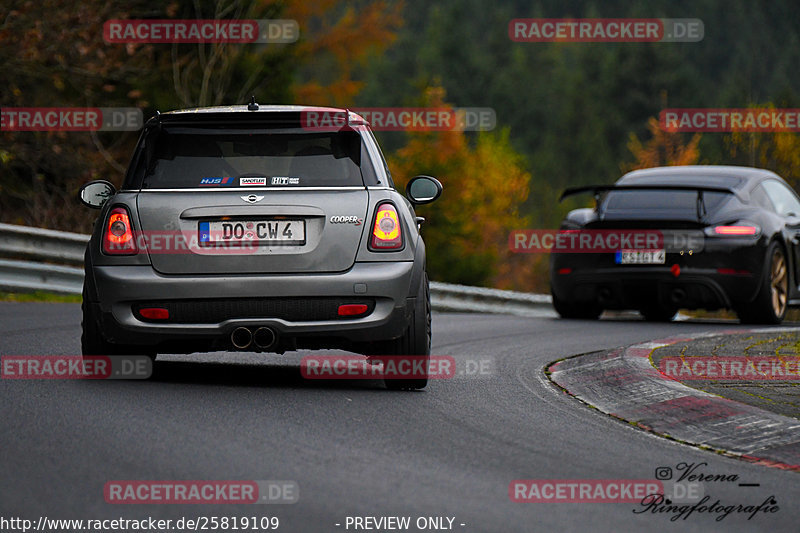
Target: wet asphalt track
<point x="354" y="448"/>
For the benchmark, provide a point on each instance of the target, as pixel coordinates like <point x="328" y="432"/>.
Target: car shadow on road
<point x="252" y="375"/>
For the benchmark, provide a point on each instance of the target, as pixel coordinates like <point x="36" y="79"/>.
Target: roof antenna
<point x="252" y="106"/>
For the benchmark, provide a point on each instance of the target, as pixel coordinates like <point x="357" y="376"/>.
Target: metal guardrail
<point x="463" y="298"/>
<point x="42" y="244"/>
<point x="26" y="249"/>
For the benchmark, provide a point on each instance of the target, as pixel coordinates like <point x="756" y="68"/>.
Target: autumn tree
<point x="664" y="148"/>
<point x="53" y="54"/>
<point x="776" y="151"/>
<point x="484" y="184"/>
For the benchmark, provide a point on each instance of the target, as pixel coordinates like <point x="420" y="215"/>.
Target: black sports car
<point x="728" y="238"/>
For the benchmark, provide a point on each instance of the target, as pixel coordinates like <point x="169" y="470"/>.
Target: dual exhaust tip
<point x="263" y="338"/>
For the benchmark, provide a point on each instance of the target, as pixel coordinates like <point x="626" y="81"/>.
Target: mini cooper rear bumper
<point x="300" y="309"/>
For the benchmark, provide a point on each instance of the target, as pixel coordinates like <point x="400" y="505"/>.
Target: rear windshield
<point x="668" y="200"/>
<point x="185" y="158"/>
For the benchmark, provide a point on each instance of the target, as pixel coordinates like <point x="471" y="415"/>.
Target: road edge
<point x="624" y="384"/>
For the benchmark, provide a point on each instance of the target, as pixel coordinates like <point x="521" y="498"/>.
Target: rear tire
<point x="416" y="341"/>
<point x="659" y="313"/>
<point x="93" y="342"/>
<point x="771" y="302"/>
<point x="573" y="310"/>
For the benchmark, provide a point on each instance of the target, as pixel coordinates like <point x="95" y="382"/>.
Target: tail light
<point x="118" y="233"/>
<point x="739" y="230"/>
<point x="386" y="232"/>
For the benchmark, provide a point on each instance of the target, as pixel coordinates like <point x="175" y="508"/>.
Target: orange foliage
<point x="334" y="41"/>
<point x="663" y="149"/>
<point x="779" y="152"/>
<point x="484" y="185"/>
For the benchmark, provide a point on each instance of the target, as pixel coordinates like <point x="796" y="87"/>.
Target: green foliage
<point x="566" y="112"/>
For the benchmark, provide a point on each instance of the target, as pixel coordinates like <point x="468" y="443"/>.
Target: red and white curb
<point x="624" y="384"/>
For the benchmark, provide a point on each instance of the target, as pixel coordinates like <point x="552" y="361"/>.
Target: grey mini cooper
<point x="248" y="228"/>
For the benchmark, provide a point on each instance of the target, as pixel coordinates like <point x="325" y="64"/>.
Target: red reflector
<point x="676" y="270"/>
<point x="733" y="271"/>
<point x="118" y="235"/>
<point x="735" y="230"/>
<point x="564" y="270"/>
<point x="154" y="313"/>
<point x="352" y="309"/>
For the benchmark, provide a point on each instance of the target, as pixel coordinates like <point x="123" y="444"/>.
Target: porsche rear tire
<point x="771" y="302"/>
<point x="573" y="310"/>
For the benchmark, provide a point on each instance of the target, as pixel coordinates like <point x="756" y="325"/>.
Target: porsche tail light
<point x="736" y="231"/>
<point x="386" y="232"/>
<point x="118" y="233"/>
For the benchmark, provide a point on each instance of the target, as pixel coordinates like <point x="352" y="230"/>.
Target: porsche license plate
<point x="640" y="257"/>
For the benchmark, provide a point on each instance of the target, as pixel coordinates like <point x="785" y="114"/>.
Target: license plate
<point x="640" y="257"/>
<point x="284" y="232"/>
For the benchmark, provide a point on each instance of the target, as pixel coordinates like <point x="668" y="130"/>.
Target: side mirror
<point x="96" y="193"/>
<point x="423" y="190"/>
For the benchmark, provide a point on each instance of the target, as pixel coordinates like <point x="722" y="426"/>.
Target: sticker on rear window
<point x="253" y="181"/>
<point x="284" y="180"/>
<point x="217" y="181"/>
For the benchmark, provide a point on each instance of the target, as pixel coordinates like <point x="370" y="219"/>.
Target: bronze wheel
<point x="770" y="304"/>
<point x="779" y="282"/>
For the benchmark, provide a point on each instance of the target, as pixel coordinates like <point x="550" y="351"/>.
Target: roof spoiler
<point x="595" y="189"/>
<point x="700" y="189"/>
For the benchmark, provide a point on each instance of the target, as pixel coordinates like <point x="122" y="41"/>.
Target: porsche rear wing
<point x="700" y="189"/>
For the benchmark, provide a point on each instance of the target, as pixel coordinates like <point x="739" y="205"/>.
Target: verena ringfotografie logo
<point x="748" y="368"/>
<point x="76" y="367"/>
<point x="730" y="120"/>
<point x="201" y="31"/>
<point x="201" y="492"/>
<point x="533" y="241"/>
<point x="602" y="30"/>
<point x="71" y="119"/>
<point x="402" y="119"/>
